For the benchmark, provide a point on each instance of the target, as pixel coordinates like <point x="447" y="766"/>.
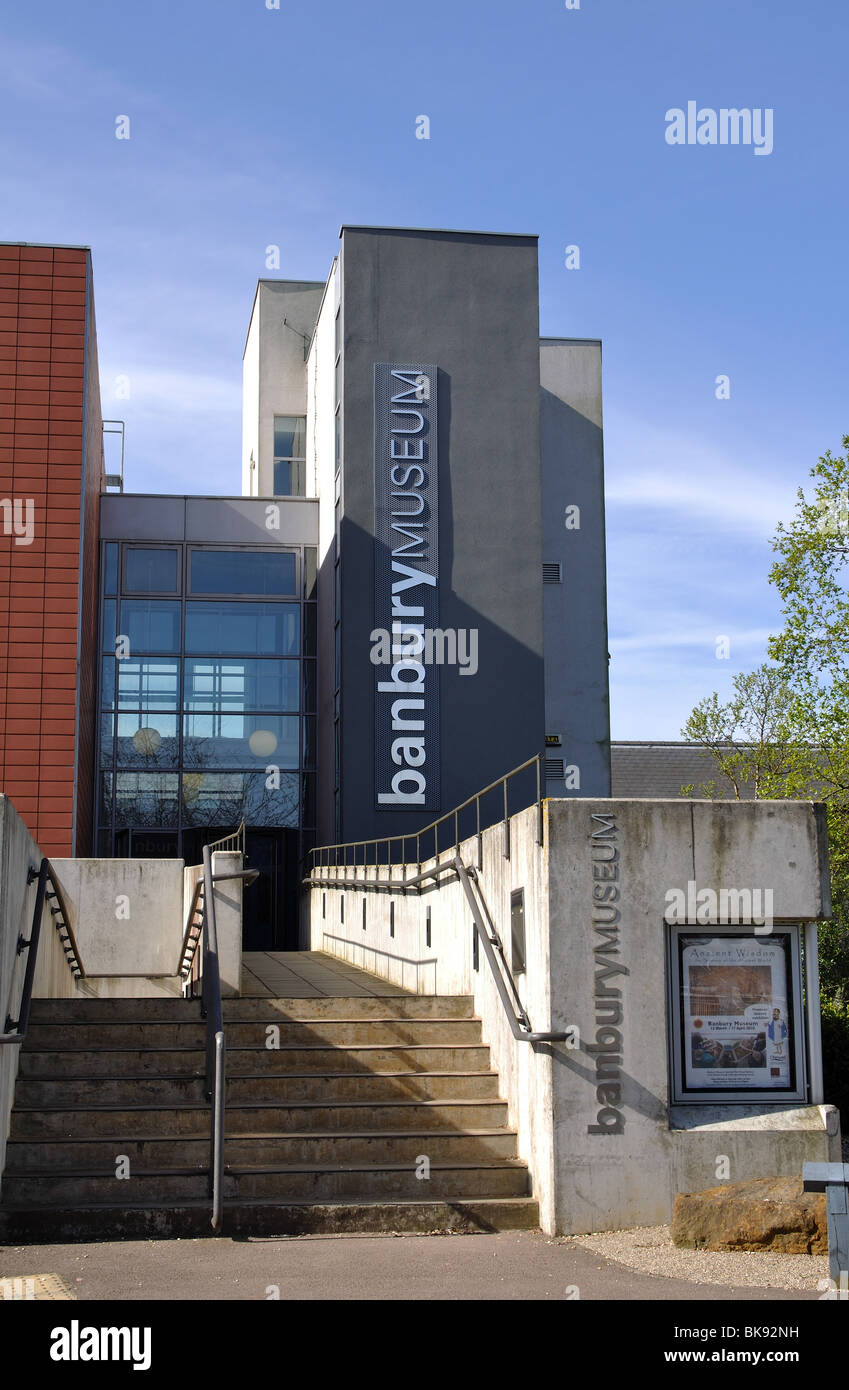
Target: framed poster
<point x="736" y="1014"/>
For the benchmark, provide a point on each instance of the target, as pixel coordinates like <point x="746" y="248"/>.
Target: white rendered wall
<point x="250" y="406"/>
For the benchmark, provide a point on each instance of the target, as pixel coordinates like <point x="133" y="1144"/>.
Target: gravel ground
<point x="649" y="1249"/>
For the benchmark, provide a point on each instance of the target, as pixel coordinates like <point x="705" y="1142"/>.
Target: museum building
<point x="406" y="600"/>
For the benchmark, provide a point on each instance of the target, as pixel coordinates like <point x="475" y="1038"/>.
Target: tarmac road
<point x="524" y="1265"/>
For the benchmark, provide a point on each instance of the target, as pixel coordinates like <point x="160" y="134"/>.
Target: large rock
<point x="760" y="1214"/>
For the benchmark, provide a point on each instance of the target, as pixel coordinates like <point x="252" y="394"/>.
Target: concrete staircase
<point x="325" y="1132"/>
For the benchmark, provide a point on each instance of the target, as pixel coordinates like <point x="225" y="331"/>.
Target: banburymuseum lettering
<point x="609" y="976"/>
<point x="406" y="514"/>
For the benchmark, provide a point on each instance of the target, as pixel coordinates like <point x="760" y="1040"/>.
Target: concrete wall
<point x="575" y="611"/>
<point x="596" y="1181"/>
<point x="18" y="853"/>
<point x="321" y="473"/>
<point x="126" y="915"/>
<point x="446" y="966"/>
<point x="275" y="377"/>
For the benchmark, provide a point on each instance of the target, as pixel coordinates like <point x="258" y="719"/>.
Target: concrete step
<point x="79" y="1122"/>
<point x="36" y="1093"/>
<point x="319" y="1183"/>
<point x="158" y="1033"/>
<point x="126" y="1221"/>
<point x="253" y="1150"/>
<point x="82" y="1010"/>
<point x="254" y="1061"/>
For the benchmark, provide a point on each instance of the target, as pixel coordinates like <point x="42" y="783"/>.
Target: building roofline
<point x="440" y="231"/>
<point x="577" y="342"/>
<point x="50" y="245"/>
<point x="209" y="497"/>
<point x="271" y="280"/>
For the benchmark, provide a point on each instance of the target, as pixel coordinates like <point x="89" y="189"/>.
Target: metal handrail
<point x="237" y="837"/>
<point x="192" y="934"/>
<point x="517" y="1015"/>
<point x="14" y="1030"/>
<point x="538" y="762"/>
<point x="215" y="1047"/>
<point x="212" y="1013"/>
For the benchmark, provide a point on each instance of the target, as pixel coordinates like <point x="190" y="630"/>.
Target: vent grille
<point x="554" y="769"/>
<point x="552" y="573"/>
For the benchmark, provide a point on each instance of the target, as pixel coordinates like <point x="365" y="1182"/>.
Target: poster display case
<point x="735" y="1013"/>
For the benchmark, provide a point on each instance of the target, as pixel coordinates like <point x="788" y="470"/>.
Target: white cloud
<point x="652" y="468"/>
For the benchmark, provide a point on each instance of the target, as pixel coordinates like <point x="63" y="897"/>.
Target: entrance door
<point x="261" y="900"/>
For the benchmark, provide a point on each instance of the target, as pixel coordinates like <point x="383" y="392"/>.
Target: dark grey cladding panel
<point x="141" y="518"/>
<point x="252" y="521"/>
<point x="213" y="520"/>
<point x="470" y="304"/>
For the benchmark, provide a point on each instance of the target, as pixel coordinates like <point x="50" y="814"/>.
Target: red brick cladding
<point x="45" y="309"/>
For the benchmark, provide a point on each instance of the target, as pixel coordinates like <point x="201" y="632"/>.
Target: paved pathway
<point x="521" y="1265"/>
<point x="308" y="975"/>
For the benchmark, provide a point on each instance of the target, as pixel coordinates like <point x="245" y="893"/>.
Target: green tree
<point x="785" y="730"/>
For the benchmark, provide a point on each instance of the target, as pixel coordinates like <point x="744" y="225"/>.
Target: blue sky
<point x="252" y="127"/>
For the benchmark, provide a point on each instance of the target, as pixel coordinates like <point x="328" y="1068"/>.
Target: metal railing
<point x="468" y="875"/>
<point x="215" y="1048"/>
<point x="234" y="842"/>
<point x="14" y="1030"/>
<point x="320" y="857"/>
<point x="201" y="927"/>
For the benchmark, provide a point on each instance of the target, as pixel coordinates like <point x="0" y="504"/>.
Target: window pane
<point x="146" y="798"/>
<point x="243" y="572"/>
<point x="107" y="682"/>
<point x="233" y="686"/>
<point x="283" y="478"/>
<point x="147" y="738"/>
<point x="106" y="730"/>
<point x="143" y="684"/>
<point x="110" y="611"/>
<point x="240" y="740"/>
<point x="290" y="436"/>
<point x="224" y="798"/>
<point x="151" y="625"/>
<point x="150" y="571"/>
<point x="111" y="577"/>
<point x="255" y="629"/>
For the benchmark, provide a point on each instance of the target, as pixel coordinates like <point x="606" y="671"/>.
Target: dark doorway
<point x="260" y="902"/>
<point x="270" y="904"/>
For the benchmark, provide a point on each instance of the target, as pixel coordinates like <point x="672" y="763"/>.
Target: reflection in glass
<point x="240" y="685"/>
<point x="252" y="629"/>
<point x="141" y="684"/>
<point x="243" y="572"/>
<point x="225" y="798"/>
<point x="290" y="437"/>
<point x="106" y="749"/>
<point x="110" y="618"/>
<point x="110" y="584"/>
<point x="147" y="738"/>
<point x="151" y="625"/>
<point x="150" y="570"/>
<point x="146" y="798"/>
<point x="240" y="740"/>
